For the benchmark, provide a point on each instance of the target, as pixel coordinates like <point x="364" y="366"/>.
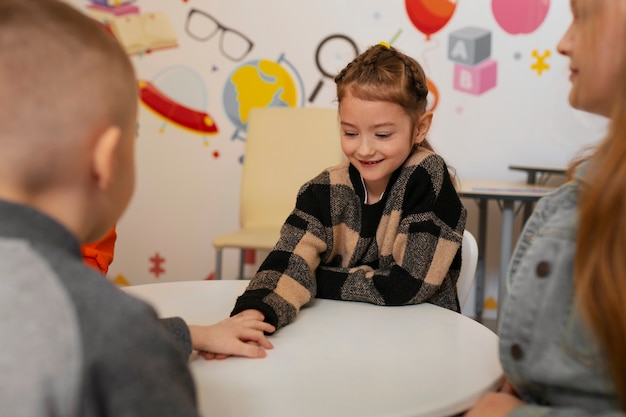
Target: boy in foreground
<point x="71" y="344"/>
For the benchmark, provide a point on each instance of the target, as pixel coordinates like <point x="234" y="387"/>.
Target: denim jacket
<point x="546" y="348"/>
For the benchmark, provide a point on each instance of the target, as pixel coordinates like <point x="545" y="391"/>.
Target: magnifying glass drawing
<point x="336" y="50"/>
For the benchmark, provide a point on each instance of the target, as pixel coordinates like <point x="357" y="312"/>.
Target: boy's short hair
<point x="62" y="79"/>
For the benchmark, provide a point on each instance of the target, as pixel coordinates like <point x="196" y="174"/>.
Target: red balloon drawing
<point x="429" y="16"/>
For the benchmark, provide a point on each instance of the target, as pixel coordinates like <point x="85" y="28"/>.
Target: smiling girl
<point x="384" y="227"/>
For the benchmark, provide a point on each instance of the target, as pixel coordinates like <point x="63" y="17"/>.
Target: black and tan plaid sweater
<point x="405" y="249"/>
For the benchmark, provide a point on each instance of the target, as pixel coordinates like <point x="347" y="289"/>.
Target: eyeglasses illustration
<point x="201" y="26"/>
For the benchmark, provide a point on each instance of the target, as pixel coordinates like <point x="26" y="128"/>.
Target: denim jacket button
<point x="516" y="352"/>
<point x="543" y="269"/>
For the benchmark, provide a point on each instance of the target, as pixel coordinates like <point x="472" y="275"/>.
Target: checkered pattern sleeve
<point x="285" y="280"/>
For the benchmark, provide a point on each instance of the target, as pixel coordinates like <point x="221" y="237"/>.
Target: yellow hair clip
<point x="385" y="44"/>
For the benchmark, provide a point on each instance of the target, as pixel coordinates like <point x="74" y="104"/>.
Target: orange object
<point x="99" y="255"/>
<point x="432" y="89"/>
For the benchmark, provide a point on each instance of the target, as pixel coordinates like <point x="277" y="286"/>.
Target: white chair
<point x="285" y="147"/>
<point x="469" y="260"/>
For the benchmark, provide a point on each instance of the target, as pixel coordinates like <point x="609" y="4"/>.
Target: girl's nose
<point x="365" y="147"/>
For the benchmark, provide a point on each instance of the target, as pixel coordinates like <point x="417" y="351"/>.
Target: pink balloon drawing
<point x="520" y="16"/>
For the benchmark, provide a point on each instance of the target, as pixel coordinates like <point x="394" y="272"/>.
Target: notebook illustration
<point x="112" y="3"/>
<point x="143" y="32"/>
<point x="106" y="13"/>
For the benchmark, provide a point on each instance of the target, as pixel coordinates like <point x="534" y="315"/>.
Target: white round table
<point x="338" y="358"/>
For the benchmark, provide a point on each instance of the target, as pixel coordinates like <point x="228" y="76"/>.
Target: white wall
<point x="187" y="190"/>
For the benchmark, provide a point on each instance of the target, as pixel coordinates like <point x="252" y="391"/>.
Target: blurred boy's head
<point x="68" y="108"/>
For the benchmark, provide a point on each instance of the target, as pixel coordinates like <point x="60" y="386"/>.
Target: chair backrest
<point x="469" y="260"/>
<point x="285" y="147"/>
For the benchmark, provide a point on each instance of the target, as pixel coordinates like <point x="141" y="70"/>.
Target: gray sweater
<point x="72" y="344"/>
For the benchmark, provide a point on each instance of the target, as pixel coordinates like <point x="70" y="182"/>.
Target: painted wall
<point x="501" y="98"/>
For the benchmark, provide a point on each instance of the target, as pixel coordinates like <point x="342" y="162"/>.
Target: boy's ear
<point x="423" y="126"/>
<point x="104" y="156"/>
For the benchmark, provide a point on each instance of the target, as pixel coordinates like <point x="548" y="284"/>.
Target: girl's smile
<point x="370" y="163"/>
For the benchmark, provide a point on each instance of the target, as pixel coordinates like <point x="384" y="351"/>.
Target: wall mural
<point x="520" y="17"/>
<point x="178" y="95"/>
<point x="430" y="16"/>
<point x="203" y="64"/>
<point x="260" y="83"/>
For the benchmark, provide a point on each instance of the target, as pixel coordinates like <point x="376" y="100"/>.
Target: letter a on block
<point x="459" y="51"/>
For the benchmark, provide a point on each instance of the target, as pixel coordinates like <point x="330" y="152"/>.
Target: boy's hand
<point x="240" y="335"/>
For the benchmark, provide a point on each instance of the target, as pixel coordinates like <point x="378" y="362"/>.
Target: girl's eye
<point x="350" y="134"/>
<point x="383" y="135"/>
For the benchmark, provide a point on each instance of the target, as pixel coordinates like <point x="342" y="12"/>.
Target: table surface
<point x="502" y="190"/>
<point x="338" y="358"/>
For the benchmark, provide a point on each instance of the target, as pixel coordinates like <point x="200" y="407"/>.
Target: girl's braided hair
<point x="382" y="73"/>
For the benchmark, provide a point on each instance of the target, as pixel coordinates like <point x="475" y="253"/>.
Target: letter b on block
<point x="476" y="79"/>
<point x="474" y="71"/>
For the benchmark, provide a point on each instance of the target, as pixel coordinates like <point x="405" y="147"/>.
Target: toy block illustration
<point x="476" y="79"/>
<point x="469" y="45"/>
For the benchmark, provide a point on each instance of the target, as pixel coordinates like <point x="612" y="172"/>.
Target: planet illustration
<point x="178" y="95"/>
<point x="260" y="83"/>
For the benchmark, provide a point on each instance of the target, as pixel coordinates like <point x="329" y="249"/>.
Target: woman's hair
<point x="382" y="73"/>
<point x="600" y="262"/>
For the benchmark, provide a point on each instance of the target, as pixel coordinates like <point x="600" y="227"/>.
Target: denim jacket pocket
<point x="577" y="340"/>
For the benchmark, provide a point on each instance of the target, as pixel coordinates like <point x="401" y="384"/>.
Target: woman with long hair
<point x="563" y="325"/>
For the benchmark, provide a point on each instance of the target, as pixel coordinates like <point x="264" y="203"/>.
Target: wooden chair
<point x="285" y="147"/>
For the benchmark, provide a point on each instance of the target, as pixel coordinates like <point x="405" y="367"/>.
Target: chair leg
<point x="218" y="264"/>
<point x="242" y="259"/>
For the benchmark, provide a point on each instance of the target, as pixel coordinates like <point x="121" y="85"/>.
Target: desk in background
<point x="506" y="194"/>
<point x="536" y="175"/>
<point x="339" y="358"/>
